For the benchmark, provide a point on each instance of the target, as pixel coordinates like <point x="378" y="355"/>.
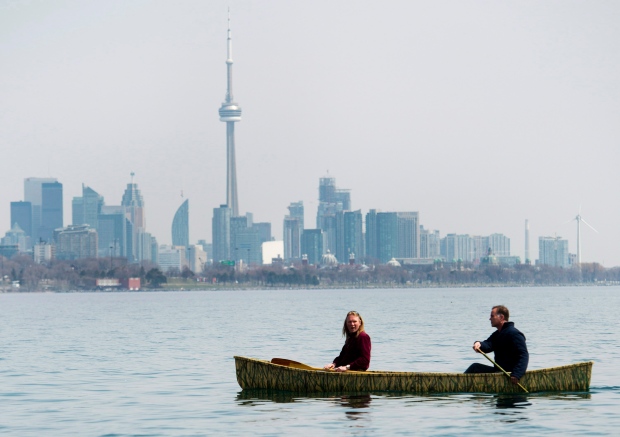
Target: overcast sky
<point x="477" y="114"/>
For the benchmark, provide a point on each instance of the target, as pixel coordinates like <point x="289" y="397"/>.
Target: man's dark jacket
<point x="510" y="349"/>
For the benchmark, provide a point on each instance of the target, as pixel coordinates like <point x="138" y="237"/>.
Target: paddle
<point x="498" y="366"/>
<point x="294" y="364"/>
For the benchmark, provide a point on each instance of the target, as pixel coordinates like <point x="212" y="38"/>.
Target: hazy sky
<point x="477" y="114"/>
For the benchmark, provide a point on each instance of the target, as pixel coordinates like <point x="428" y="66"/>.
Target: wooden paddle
<point x="498" y="366"/>
<point x="294" y="364"/>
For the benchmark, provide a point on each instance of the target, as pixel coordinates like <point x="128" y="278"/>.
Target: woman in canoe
<point x="355" y="354"/>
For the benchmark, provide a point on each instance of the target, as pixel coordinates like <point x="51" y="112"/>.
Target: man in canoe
<point x="355" y="354"/>
<point x="507" y="342"/>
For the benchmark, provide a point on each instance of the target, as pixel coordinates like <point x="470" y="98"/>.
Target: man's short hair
<point x="501" y="309"/>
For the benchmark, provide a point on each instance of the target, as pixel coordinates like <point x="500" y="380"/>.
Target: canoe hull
<point x="260" y="374"/>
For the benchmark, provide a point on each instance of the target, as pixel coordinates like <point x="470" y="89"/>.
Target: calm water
<point x="160" y="364"/>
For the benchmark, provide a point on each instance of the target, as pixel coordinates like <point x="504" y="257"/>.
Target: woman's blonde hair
<point x="345" y="331"/>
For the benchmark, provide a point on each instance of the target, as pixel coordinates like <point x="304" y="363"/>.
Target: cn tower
<point x="230" y="113"/>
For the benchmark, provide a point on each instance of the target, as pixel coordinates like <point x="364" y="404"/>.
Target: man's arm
<point x="523" y="356"/>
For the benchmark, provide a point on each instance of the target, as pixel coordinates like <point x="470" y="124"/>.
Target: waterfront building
<point x="171" y="258"/>
<point x="230" y="113"/>
<point x="21" y="214"/>
<point x="76" y="242"/>
<point x="180" y="226"/>
<point x="312" y="245"/>
<point x="221" y="233"/>
<point x="553" y="251"/>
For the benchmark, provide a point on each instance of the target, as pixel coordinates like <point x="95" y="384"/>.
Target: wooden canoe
<point x="260" y="374"/>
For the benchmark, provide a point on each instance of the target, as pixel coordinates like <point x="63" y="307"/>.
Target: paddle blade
<point x="290" y="363"/>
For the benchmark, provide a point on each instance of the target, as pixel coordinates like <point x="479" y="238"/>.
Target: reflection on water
<point x="251" y="398"/>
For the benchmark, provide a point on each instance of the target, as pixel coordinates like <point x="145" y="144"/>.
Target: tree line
<point x="83" y="274"/>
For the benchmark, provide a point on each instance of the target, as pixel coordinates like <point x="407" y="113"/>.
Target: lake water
<point x="161" y="364"/>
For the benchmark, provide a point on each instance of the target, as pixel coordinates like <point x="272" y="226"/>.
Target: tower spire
<point x="230" y="113"/>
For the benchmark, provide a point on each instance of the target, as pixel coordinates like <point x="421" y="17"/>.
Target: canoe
<point x="260" y="374"/>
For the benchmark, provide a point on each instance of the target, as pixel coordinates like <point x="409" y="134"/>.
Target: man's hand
<point x="329" y="366"/>
<point x="477" y="346"/>
<point x="514" y="380"/>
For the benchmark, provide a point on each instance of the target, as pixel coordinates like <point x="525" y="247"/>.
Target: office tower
<point x="352" y="236"/>
<point x="133" y="206"/>
<point x="115" y="232"/>
<point x="33" y="188"/>
<point x="408" y="235"/>
<point x="221" y="233"/>
<point x="553" y="251"/>
<point x="527" y="242"/>
<point x="372" y="252"/>
<point x="312" y="245"/>
<point x="51" y="210"/>
<point x="180" y="226"/>
<point x="387" y="236"/>
<point x="230" y="113"/>
<point x="292" y="229"/>
<point x="246" y="238"/>
<point x="86" y="209"/>
<point x="76" y="242"/>
<point x="21" y="213"/>
<point x="331" y="202"/>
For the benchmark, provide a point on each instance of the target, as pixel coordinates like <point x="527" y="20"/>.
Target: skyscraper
<point x="33" y="193"/>
<point x="21" y="213"/>
<point x="133" y="206"/>
<point x="230" y="113"/>
<point x="86" y="209"/>
<point x="180" y="226"/>
<point x="221" y="233"/>
<point x="293" y="228"/>
<point x="51" y="210"/>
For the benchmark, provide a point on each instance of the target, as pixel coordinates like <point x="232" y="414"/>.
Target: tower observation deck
<point x="230" y="113"/>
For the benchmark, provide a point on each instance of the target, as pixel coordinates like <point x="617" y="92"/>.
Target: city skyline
<point x="483" y="133"/>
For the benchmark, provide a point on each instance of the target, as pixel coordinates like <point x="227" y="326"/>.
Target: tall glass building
<point x="180" y="226"/>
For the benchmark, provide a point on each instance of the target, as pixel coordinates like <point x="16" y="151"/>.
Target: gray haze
<point x="477" y="114"/>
